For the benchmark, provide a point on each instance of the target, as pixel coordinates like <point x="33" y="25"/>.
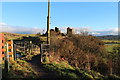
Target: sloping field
<point x="11" y="36"/>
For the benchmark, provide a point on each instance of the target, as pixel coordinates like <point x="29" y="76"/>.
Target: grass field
<point x="111" y="41"/>
<point x="12" y="36"/>
<point x="109" y="48"/>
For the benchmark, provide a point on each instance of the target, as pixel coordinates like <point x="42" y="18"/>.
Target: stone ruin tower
<point x="70" y="31"/>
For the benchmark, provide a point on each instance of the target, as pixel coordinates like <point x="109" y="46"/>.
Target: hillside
<point x="75" y="56"/>
<point x="15" y="36"/>
<point x="109" y="37"/>
<point x="11" y="36"/>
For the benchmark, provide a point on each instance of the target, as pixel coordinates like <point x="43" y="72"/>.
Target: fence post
<point x="14" y="50"/>
<point x="7" y="58"/>
<point x="41" y="53"/>
<point x="30" y="47"/>
<point x="24" y="47"/>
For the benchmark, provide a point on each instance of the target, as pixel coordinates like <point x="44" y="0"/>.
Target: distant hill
<point x="109" y="37"/>
<point x="11" y="36"/>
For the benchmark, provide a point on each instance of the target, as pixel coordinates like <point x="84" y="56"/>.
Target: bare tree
<point x="84" y="31"/>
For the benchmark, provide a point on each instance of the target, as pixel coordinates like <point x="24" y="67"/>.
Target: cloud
<point x="76" y="30"/>
<point x="26" y="30"/>
<point x="111" y="31"/>
<point x="16" y="29"/>
<point x="95" y="33"/>
<point x="63" y="29"/>
<point x="1" y="23"/>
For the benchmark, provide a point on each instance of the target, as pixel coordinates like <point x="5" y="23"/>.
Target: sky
<point x="60" y="0"/>
<point x="100" y="18"/>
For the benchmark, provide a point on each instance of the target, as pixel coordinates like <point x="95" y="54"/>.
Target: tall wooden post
<point x="48" y="31"/>
<point x="48" y="23"/>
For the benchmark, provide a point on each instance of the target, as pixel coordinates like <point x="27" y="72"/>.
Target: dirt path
<point x="37" y="66"/>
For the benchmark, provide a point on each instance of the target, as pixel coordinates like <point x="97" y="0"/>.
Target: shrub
<point x="80" y="51"/>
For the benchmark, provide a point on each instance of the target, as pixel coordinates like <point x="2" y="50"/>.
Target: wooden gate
<point x="25" y="47"/>
<point x="44" y="51"/>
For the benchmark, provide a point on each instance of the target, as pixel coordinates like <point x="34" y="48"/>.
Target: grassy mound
<point x="19" y="69"/>
<point x="64" y="70"/>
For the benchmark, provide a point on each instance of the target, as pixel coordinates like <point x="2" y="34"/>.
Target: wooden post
<point x="14" y="50"/>
<point x="7" y="59"/>
<point x="24" y="47"/>
<point x="48" y="23"/>
<point x="41" y="53"/>
<point x="30" y="47"/>
<point x="27" y="47"/>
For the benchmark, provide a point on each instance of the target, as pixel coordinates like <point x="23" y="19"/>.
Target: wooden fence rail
<point x="6" y="47"/>
<point x="25" y="47"/>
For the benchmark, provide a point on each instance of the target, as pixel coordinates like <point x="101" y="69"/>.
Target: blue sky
<point x="97" y="16"/>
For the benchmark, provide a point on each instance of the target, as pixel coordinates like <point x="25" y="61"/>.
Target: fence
<point x="6" y="49"/>
<point x="9" y="47"/>
<point x="44" y="51"/>
<point x="2" y="41"/>
<point x="25" y="47"/>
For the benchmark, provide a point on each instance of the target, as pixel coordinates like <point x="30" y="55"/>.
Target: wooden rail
<point x="2" y="41"/>
<point x="25" y="47"/>
<point x="6" y="47"/>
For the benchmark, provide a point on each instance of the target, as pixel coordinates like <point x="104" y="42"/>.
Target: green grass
<point x="19" y="69"/>
<point x="109" y="48"/>
<point x="12" y="36"/>
<point x="43" y="38"/>
<point x="64" y="70"/>
<point x="61" y="70"/>
<point x="110" y="40"/>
